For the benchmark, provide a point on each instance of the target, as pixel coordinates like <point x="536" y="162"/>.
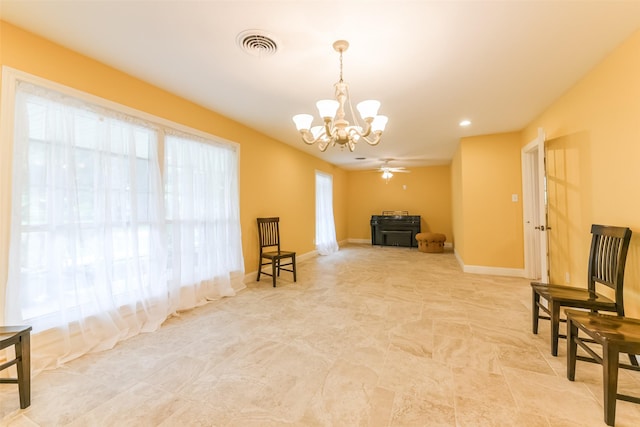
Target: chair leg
<point x="610" y="382"/>
<point x="259" y="268"/>
<point x="294" y="267"/>
<point x="535" y="313"/>
<point x="273" y="271"/>
<point x="23" y="354"/>
<point x="572" y="349"/>
<point x="555" y="326"/>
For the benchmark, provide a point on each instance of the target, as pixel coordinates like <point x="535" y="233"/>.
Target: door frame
<point x="534" y="209"/>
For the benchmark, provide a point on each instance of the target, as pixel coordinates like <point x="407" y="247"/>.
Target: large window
<point x="105" y="241"/>
<point x="203" y="233"/>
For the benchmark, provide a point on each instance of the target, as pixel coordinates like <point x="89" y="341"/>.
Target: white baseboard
<point x="490" y="271"/>
<point x="359" y="241"/>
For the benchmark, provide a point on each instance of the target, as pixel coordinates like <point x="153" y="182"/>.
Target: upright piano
<point x="395" y="228"/>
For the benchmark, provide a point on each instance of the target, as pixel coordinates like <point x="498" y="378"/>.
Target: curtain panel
<point x="95" y="255"/>
<point x="326" y="242"/>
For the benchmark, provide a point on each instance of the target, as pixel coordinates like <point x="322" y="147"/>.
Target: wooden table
<point x="616" y="335"/>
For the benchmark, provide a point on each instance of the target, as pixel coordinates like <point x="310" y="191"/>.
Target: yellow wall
<point x="487" y="173"/>
<point x="457" y="217"/>
<point x="593" y="134"/>
<point x="427" y="193"/>
<point x="275" y="179"/>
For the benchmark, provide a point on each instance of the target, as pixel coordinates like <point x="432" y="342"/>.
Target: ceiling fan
<point x="388" y="171"/>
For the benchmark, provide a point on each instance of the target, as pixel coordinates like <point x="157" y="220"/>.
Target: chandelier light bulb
<point x="379" y="123"/>
<point x="303" y="121"/>
<point x="327" y="108"/>
<point x="368" y="109"/>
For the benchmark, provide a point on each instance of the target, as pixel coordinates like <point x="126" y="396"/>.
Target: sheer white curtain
<point x="87" y="250"/>
<point x="203" y="219"/>
<point x="326" y="242"/>
<point x="100" y="248"/>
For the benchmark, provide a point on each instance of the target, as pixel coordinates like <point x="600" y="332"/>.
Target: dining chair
<point x="269" y="234"/>
<point x="607" y="259"/>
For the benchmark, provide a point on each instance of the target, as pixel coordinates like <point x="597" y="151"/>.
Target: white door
<point x="534" y="197"/>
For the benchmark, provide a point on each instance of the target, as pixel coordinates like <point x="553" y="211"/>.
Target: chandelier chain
<point x="341" y="81"/>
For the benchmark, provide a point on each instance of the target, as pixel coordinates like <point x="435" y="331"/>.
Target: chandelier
<point x="336" y="129"/>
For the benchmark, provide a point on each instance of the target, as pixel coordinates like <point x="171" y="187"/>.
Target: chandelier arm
<point x="366" y="131"/>
<point x="323" y="145"/>
<point x="308" y="138"/>
<point x="327" y="128"/>
<point x="377" y="137"/>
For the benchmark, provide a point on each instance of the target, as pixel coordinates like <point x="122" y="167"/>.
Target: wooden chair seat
<point x="568" y="296"/>
<point x="615" y="335"/>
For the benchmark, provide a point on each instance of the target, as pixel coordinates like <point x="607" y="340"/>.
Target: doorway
<point x="534" y="198"/>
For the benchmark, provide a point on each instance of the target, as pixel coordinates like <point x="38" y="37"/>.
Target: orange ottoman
<point x="430" y="242"/>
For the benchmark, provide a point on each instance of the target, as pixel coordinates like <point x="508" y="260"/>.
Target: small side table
<point x="20" y="337"/>
<point x="616" y="335"/>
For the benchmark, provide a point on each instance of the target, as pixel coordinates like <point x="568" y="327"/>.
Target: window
<point x="104" y="246"/>
<point x="203" y="233"/>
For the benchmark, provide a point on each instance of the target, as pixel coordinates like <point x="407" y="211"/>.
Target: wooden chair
<point x="20" y="338"/>
<point x="269" y="233"/>
<point x="615" y="335"/>
<point x="607" y="259"/>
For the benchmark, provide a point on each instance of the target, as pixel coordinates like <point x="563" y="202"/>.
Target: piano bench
<point x="431" y="242"/>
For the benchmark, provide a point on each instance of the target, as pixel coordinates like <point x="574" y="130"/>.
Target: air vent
<point x="257" y="43"/>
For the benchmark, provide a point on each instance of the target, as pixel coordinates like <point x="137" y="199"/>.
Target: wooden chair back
<point x="269" y="232"/>
<point x="607" y="259"/>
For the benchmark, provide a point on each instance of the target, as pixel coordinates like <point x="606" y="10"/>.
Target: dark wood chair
<point x="607" y="259"/>
<point x="615" y="335"/>
<point x="269" y="233"/>
<point x="20" y="338"/>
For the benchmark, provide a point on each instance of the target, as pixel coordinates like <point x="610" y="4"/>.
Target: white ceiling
<point x="430" y="63"/>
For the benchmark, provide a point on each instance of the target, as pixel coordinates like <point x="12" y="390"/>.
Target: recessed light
<point x="465" y="123"/>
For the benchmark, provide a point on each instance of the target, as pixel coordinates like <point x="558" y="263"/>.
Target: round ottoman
<point x="430" y="242"/>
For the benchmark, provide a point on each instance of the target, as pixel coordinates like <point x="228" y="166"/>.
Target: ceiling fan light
<point x="303" y="121"/>
<point x="368" y="109"/>
<point x="386" y="174"/>
<point x="327" y="108"/>
<point x="379" y="123"/>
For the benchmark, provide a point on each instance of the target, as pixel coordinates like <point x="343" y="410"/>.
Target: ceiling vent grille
<point x="257" y="43"/>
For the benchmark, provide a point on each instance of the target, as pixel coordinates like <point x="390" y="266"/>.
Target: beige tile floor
<point x="366" y="337"/>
